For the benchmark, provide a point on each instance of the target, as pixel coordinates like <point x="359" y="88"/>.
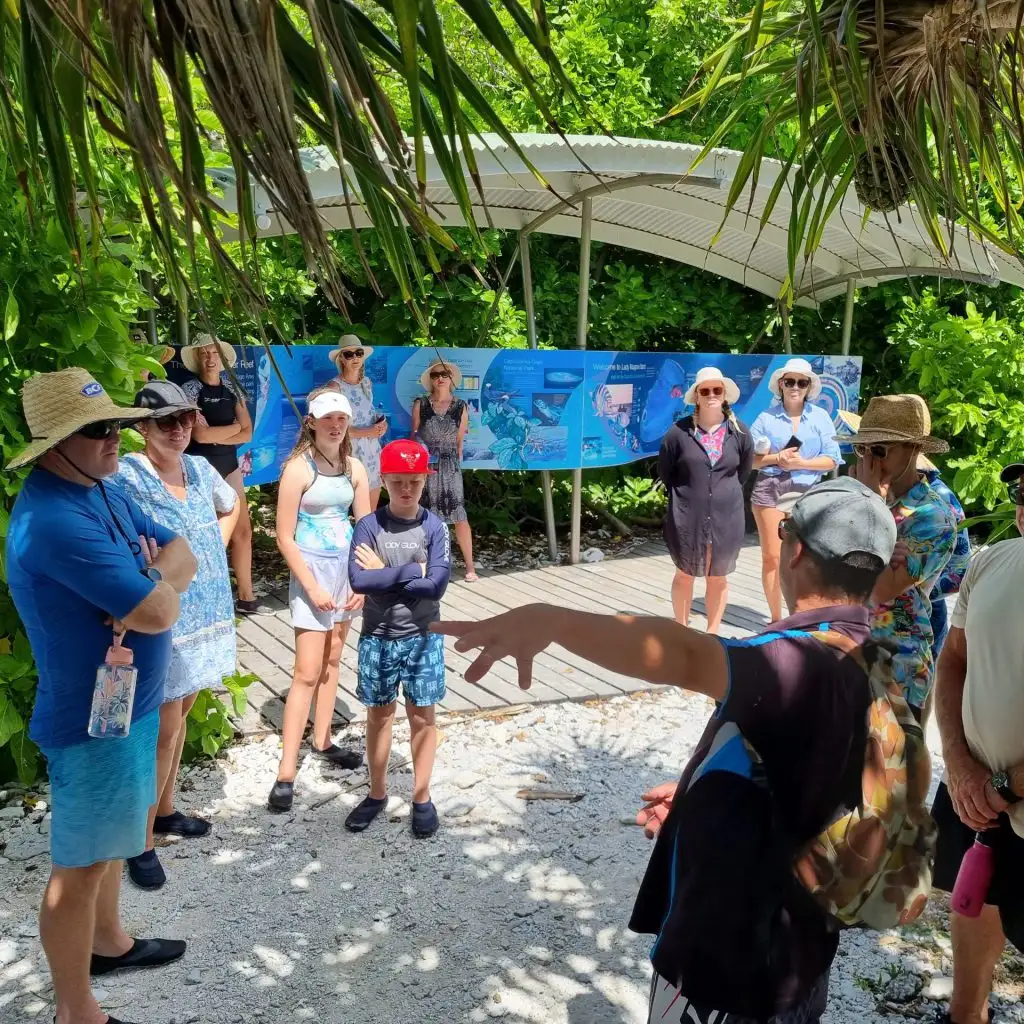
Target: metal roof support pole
<point x="582" y="309"/>
<point x="531" y="333"/>
<point x="851" y="293"/>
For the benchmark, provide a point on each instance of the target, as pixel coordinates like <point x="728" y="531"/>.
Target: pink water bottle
<point x="973" y="878"/>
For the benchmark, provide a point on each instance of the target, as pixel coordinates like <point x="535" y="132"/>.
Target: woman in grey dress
<point x="439" y="422"/>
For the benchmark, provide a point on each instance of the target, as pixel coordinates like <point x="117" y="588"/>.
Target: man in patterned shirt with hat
<point x="893" y="433"/>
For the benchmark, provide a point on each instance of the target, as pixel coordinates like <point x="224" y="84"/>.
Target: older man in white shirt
<point x="980" y="712"/>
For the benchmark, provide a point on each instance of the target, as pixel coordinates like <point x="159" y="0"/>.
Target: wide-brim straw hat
<point x="190" y="353"/>
<point x="852" y="420"/>
<point x="798" y="366"/>
<point x="712" y="373"/>
<point x="440" y="364"/>
<point x="59" y="404"/>
<point x="348" y="341"/>
<point x="894" y="419"/>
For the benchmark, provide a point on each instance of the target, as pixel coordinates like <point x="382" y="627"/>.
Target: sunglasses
<point x="878" y="451"/>
<point x="711" y="392"/>
<point x="101" y="431"/>
<point x="353" y="353"/>
<point x="439" y="374"/>
<point x="1016" y="493"/>
<point x="796" y="382"/>
<point x="185" y="420"/>
<point x="785" y="527"/>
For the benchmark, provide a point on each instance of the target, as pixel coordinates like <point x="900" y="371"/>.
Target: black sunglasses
<point x="785" y="527"/>
<point x="353" y="353"/>
<point x="439" y="374"/>
<point x="1016" y="493"/>
<point x="711" y="392"/>
<point x="795" y="382"/>
<point x="102" y="430"/>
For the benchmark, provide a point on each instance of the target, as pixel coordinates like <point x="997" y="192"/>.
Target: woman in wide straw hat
<point x="893" y="433"/>
<point x="703" y="462"/>
<point x="794" y="448"/>
<point x="440" y="422"/>
<point x="222" y="426"/>
<point x="368" y="422"/>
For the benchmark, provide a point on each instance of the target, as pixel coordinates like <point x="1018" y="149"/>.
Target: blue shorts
<point x="417" y="662"/>
<point x="100" y="795"/>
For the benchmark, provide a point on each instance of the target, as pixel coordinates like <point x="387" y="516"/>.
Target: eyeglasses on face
<point x="712" y="392"/>
<point x="878" y="451"/>
<point x="785" y="527"/>
<point x="1016" y="493"/>
<point x="100" y="431"/>
<point x="353" y="353"/>
<point x="439" y="374"/>
<point x="186" y="420"/>
<point x="796" y="382"/>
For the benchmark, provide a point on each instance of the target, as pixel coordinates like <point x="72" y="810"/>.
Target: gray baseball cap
<point x="165" y="398"/>
<point x="841" y="517"/>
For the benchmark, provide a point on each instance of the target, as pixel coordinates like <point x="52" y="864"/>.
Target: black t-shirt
<point x="217" y="403"/>
<point x="735" y="931"/>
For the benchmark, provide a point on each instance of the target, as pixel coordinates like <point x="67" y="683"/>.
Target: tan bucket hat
<point x="59" y="404"/>
<point x="348" y="341"/>
<point x="190" y="353"/>
<point x="441" y="364"/>
<point x="894" y="419"/>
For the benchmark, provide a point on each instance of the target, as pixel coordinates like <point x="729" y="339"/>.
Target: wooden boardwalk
<point x="638" y="582"/>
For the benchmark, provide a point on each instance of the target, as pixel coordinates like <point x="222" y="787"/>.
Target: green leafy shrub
<point x="210" y="727"/>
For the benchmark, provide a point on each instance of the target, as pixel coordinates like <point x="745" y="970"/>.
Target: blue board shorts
<point x="100" y="795"/>
<point x="417" y="662"/>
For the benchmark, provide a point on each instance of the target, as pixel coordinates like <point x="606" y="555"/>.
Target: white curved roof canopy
<point x="671" y="211"/>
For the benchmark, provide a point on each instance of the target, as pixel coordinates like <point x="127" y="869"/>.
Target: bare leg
<point x="379" y="723"/>
<point x="309" y="657"/>
<point x="241" y="542"/>
<point x="374" y="498"/>
<point x="110" y="939"/>
<point x="464" y="537"/>
<point x="423" y="740"/>
<point x="977" y="945"/>
<point x="327" y="687"/>
<point x="715" y="599"/>
<point x="165" y="803"/>
<point x="166" y="746"/>
<point x="67" y="923"/>
<point x="682" y="596"/>
<point x="768" y="520"/>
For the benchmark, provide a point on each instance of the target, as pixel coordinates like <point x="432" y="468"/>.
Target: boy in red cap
<point x="401" y="561"/>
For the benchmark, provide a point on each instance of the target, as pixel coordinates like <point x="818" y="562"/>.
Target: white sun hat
<point x="327" y="402"/>
<point x="712" y="373"/>
<point x="800" y="367"/>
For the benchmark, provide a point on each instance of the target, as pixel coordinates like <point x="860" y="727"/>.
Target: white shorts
<point x="330" y="570"/>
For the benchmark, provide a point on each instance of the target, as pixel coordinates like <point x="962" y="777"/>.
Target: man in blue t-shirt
<point x="83" y="563"/>
<point x="401" y="560"/>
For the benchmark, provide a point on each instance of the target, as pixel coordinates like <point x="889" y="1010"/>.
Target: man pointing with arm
<point x="800" y="707"/>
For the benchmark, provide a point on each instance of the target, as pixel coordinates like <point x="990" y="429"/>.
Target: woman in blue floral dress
<point x="185" y="494"/>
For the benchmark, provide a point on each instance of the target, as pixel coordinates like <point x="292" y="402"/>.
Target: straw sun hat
<point x="894" y="419"/>
<point x="59" y="404"/>
<point x="712" y="373"/>
<point x="440" y="364"/>
<point x="190" y="353"/>
<point x="348" y="341"/>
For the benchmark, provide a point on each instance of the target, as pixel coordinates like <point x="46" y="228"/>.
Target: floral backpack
<point x="873" y="865"/>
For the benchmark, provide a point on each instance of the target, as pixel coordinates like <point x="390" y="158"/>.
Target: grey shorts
<point x="331" y="572"/>
<point x="768" y="489"/>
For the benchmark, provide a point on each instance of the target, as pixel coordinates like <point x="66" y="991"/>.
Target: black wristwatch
<point x="1001" y="784"/>
<point x="154" y="574"/>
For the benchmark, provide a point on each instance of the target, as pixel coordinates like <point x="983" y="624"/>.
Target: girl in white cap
<point x="368" y="425"/>
<point x="322" y="488"/>
<point x="795" y="446"/>
<point x="703" y="461"/>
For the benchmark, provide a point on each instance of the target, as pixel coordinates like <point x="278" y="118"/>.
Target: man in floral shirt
<point x="894" y="432"/>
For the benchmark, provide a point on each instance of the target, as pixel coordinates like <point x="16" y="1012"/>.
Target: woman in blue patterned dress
<point x="368" y="423"/>
<point x="322" y="488"/>
<point x="185" y="494"/>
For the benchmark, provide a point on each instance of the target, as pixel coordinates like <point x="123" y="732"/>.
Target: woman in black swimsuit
<point x="223" y="425"/>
